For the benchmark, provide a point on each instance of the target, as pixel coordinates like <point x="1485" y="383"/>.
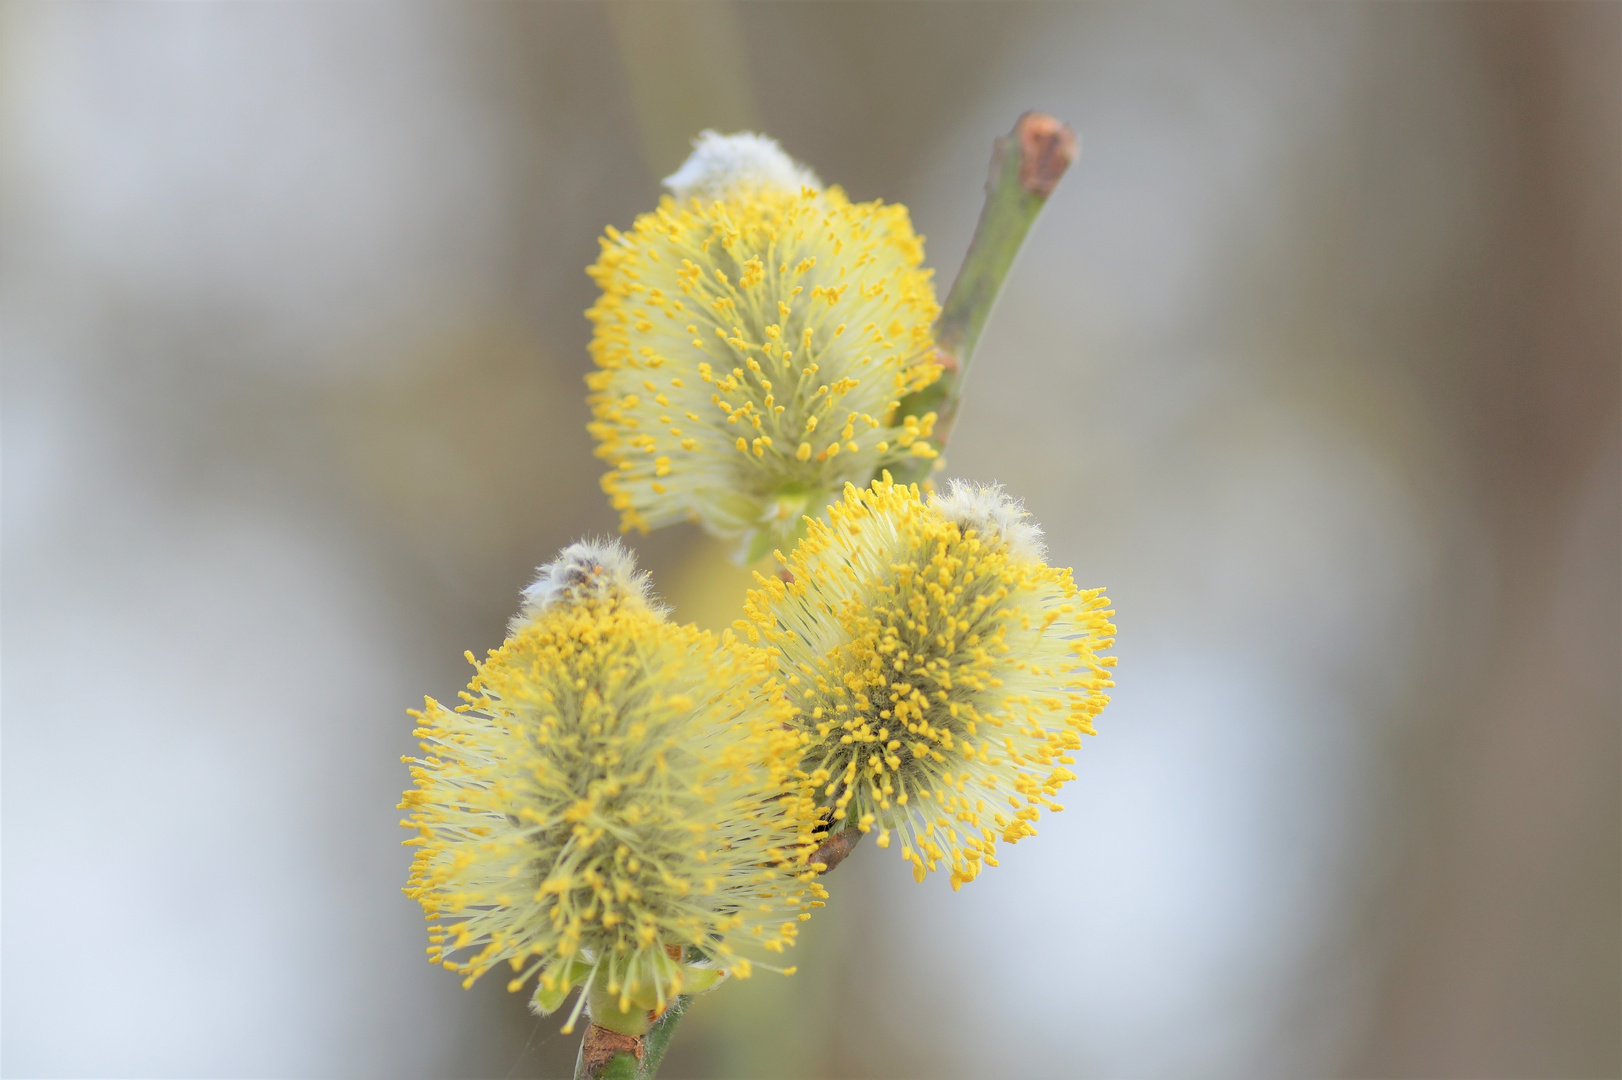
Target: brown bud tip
<point x="834" y="849"/>
<point x="1046" y="148"/>
<point x="946" y="360"/>
<point x="600" y="1046"/>
<point x="785" y="575"/>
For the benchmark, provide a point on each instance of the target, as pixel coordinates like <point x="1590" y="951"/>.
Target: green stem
<point x="657" y="1041"/>
<point x="1026" y="164"/>
<point x="609" y="1055"/>
<point x="606" y="1055"/>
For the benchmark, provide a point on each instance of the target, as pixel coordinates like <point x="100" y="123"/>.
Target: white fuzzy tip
<point x="585" y="571"/>
<point x="721" y="166"/>
<point x="991" y="512"/>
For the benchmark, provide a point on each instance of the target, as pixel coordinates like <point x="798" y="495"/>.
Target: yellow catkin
<point x="794" y="317"/>
<point x="613" y="798"/>
<point x="941" y="672"/>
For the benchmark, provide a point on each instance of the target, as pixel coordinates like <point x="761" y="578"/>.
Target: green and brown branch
<point x="610" y="1055"/>
<point x="1026" y="165"/>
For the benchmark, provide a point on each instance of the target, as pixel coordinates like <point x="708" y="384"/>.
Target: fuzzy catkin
<point x="612" y="799"/>
<point x="753" y="347"/>
<point x="942" y="674"/>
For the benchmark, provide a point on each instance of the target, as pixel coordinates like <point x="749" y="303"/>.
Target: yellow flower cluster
<point x="612" y="802"/>
<point x="753" y="349"/>
<point x="942" y="673"/>
<point x="632" y="807"/>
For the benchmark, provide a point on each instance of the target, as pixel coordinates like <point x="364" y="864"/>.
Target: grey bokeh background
<point x="1312" y="360"/>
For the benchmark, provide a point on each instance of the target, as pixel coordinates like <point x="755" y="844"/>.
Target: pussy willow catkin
<point x="754" y="338"/>
<point x="612" y="802"/>
<point x="941" y="672"/>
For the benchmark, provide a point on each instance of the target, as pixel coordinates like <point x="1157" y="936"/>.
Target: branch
<point x="609" y="1055"/>
<point x="834" y="850"/>
<point x="1026" y="165"/>
<point x="657" y="1040"/>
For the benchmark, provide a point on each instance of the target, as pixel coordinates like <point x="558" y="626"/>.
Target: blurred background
<point x="1312" y="360"/>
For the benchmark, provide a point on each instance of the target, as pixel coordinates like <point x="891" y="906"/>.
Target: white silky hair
<point x="723" y="164"/>
<point x="990" y="510"/>
<point x="586" y="569"/>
